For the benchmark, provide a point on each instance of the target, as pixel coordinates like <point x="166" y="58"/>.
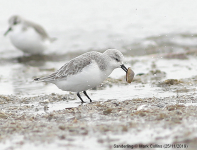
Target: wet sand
<point x="102" y="124"/>
<point x="132" y="117"/>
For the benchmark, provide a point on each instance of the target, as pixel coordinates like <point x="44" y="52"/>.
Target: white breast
<point x="28" y="40"/>
<point x="90" y="77"/>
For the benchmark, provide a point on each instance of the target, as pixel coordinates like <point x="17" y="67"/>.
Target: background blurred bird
<point x="28" y="36"/>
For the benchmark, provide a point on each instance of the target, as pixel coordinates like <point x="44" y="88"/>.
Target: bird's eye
<point x="117" y="59"/>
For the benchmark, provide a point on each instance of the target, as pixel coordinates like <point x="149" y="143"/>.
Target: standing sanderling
<point x="86" y="71"/>
<point x="28" y="36"/>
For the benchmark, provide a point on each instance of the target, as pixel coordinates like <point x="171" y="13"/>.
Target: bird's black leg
<point x="87" y="96"/>
<point x="80" y="98"/>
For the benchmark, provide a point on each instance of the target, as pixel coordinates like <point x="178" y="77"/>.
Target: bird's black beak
<point x="124" y="68"/>
<point x="9" y="29"/>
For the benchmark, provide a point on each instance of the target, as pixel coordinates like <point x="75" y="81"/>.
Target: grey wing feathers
<point x="72" y="67"/>
<point x="38" y="29"/>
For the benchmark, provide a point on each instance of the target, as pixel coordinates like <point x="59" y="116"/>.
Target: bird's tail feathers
<point x="47" y="78"/>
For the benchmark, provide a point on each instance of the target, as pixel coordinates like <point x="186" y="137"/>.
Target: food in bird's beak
<point x="129" y="75"/>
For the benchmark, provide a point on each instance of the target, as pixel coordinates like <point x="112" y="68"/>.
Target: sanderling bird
<point x="86" y="71"/>
<point x="28" y="36"/>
